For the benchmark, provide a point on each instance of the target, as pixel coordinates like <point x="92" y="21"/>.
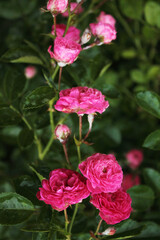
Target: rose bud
<point x="86" y="36"/>
<point x="73" y="5"/>
<point x="81" y="100"/>
<point x="105" y="32"/>
<point x="73" y="33"/>
<point x="57" y="6"/>
<point x="129" y="180"/>
<point x="114" y="207"/>
<point x="134" y="158"/>
<point x="103" y="173"/>
<point x="30" y="72"/>
<point x="107" y="19"/>
<point x="109" y="231"/>
<point x="65" y="51"/>
<point x="64" y="188"/>
<point x="62" y="132"/>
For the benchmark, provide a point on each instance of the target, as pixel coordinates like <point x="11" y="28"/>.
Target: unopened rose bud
<point x="86" y="36"/>
<point x="62" y="133"/>
<point x="109" y="231"/>
<point x="30" y="72"/>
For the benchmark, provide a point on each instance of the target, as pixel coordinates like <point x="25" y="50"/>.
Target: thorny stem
<point x="66" y="154"/>
<point x="55" y="72"/>
<point x="87" y="134"/>
<point x="59" y="80"/>
<point x="66" y="220"/>
<point x="69" y="19"/>
<point x="51" y="114"/>
<point x="54" y="25"/>
<point x="80" y="128"/>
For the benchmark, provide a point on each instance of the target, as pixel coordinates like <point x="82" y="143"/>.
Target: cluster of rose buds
<point x="102" y="175"/>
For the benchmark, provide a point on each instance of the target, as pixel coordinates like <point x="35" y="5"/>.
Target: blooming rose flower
<point x="73" y="5"/>
<point x="107" y="19"/>
<point x="64" y="187"/>
<point x="30" y="72"/>
<point x="81" y="100"/>
<point x="134" y="158"/>
<point x="129" y="180"/>
<point x="62" y="133"/>
<point x="103" y="173"/>
<point x="113" y="207"/>
<point x="65" y="52"/>
<point x="73" y="33"/>
<point x="57" y="6"/>
<point x="105" y="32"/>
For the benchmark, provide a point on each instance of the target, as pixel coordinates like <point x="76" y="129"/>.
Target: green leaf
<point x="110" y="91"/>
<point x="138" y="76"/>
<point x="14" y="84"/>
<point x="126" y="230"/>
<point x="28" y="59"/>
<point x="150" y="102"/>
<point x="36" y="227"/>
<point x="25" y="138"/>
<point x="152" y="13"/>
<point x="132" y="8"/>
<point x="38" y="174"/>
<point x="150" y="232"/>
<point x="152" y="178"/>
<point x="142" y="197"/>
<point x="23" y="54"/>
<point x="12" y="9"/>
<point x="8" y="117"/>
<point x="129" y="53"/>
<point x="152" y="141"/>
<point x="39" y="97"/>
<point x="14" y="208"/>
<point x="40" y="236"/>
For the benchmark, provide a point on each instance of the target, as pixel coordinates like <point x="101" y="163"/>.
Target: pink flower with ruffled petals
<point x="57" y="6"/>
<point x="114" y="207"/>
<point x="129" y="180"/>
<point x="105" y="32"/>
<point x="62" y="132"/>
<point x="73" y="5"/>
<point x="65" y="51"/>
<point x="107" y="19"/>
<point x="30" y="72"/>
<point x="103" y="173"/>
<point x="73" y="33"/>
<point x="64" y="187"/>
<point x="81" y="100"/>
<point x="134" y="158"/>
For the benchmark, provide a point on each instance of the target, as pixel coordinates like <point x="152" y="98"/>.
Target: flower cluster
<point x="104" y="178"/>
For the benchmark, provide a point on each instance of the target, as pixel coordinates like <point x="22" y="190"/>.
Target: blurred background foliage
<point x="126" y="71"/>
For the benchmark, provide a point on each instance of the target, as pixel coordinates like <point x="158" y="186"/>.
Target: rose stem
<point x="66" y="219"/>
<point x="87" y="134"/>
<point x="73" y="217"/>
<point x="59" y="80"/>
<point x="54" y="26"/>
<point x="66" y="154"/>
<point x="80" y="128"/>
<point x="98" y="227"/>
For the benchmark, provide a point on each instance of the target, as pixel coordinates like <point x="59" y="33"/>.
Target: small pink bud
<point x="57" y="6"/>
<point x="30" y="72"/>
<point x="109" y="231"/>
<point x="62" y="133"/>
<point x="86" y="36"/>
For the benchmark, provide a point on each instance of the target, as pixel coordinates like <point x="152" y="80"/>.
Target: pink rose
<point x="73" y="33"/>
<point x="107" y="19"/>
<point x="65" y="52"/>
<point x="114" y="207"/>
<point x="81" y="100"/>
<point x="30" y="72"/>
<point x="73" y="5"/>
<point x="129" y="180"/>
<point x="57" y="6"/>
<point x="62" y="133"/>
<point x="103" y="173"/>
<point x="134" y="158"/>
<point x="64" y="187"/>
<point x="105" y="32"/>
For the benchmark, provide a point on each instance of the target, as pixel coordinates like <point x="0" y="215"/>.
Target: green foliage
<point x="152" y="13"/>
<point x="153" y="141"/>
<point x="14" y="209"/>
